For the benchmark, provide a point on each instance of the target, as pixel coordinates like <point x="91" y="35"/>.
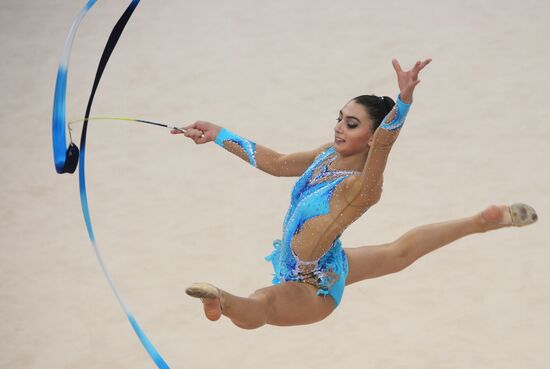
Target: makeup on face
<point x="351" y="122"/>
<point x="352" y="129"/>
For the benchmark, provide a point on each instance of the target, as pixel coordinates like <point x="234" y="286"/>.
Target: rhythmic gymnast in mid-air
<point x="337" y="183"/>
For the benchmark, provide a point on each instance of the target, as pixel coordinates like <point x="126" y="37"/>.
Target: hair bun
<point x="377" y="107"/>
<point x="388" y="104"/>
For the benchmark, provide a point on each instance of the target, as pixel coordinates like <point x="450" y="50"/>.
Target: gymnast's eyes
<point x="350" y="123"/>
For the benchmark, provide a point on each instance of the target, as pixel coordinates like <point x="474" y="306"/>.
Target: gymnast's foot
<point x="211" y="298"/>
<point x="515" y="215"/>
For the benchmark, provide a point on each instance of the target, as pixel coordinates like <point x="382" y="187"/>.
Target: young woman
<point x="337" y="183"/>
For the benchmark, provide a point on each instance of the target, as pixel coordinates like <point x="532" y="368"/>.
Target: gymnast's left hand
<point x="408" y="80"/>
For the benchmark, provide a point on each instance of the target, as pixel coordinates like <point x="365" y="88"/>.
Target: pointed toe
<point x="202" y="290"/>
<point x="522" y="214"/>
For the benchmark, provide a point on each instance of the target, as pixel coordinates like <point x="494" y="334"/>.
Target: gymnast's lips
<point x="338" y="139"/>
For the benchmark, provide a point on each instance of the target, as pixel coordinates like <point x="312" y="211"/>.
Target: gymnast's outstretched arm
<point x="261" y="157"/>
<point x="367" y="189"/>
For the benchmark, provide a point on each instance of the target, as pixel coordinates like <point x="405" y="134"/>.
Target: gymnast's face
<point x="352" y="133"/>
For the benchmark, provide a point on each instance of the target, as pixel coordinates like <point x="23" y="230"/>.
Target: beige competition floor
<point x="168" y="213"/>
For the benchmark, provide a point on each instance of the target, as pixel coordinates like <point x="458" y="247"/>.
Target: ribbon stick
<point x="126" y="119"/>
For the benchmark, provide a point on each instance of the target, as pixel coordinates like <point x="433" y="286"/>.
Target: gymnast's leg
<point x="285" y="304"/>
<point x="375" y="261"/>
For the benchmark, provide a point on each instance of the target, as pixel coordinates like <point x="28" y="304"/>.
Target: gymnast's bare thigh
<point x="371" y="262"/>
<point x="296" y="303"/>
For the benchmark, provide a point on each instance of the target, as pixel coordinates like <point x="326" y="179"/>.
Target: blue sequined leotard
<point x="311" y="198"/>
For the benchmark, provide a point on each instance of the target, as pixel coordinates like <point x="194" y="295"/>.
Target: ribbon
<point x="65" y="159"/>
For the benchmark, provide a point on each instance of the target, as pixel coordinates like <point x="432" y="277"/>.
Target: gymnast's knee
<point x="397" y="257"/>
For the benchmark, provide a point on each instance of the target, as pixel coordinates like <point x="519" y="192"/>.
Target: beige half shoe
<point x="203" y="291"/>
<point x="522" y="214"/>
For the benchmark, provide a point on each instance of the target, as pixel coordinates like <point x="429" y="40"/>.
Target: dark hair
<point x="377" y="107"/>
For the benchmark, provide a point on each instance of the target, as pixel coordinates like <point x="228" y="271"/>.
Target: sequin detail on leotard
<point x="249" y="147"/>
<point x="398" y="119"/>
<point x="311" y="198"/>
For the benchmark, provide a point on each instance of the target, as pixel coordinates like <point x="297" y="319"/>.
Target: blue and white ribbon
<point x="62" y="154"/>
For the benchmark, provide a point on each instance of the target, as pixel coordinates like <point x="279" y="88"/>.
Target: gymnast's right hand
<point x="200" y="132"/>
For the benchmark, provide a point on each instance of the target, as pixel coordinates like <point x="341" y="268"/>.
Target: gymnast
<point x="337" y="183"/>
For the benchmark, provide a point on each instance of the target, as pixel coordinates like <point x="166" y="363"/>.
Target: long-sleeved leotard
<point x="324" y="203"/>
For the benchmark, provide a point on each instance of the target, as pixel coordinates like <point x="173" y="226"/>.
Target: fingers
<point x="424" y="63"/>
<point x="396" y="66"/>
<point x="195" y="130"/>
<point x="418" y="66"/>
<point x="202" y="139"/>
<point x="194" y="133"/>
<point x="194" y="125"/>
